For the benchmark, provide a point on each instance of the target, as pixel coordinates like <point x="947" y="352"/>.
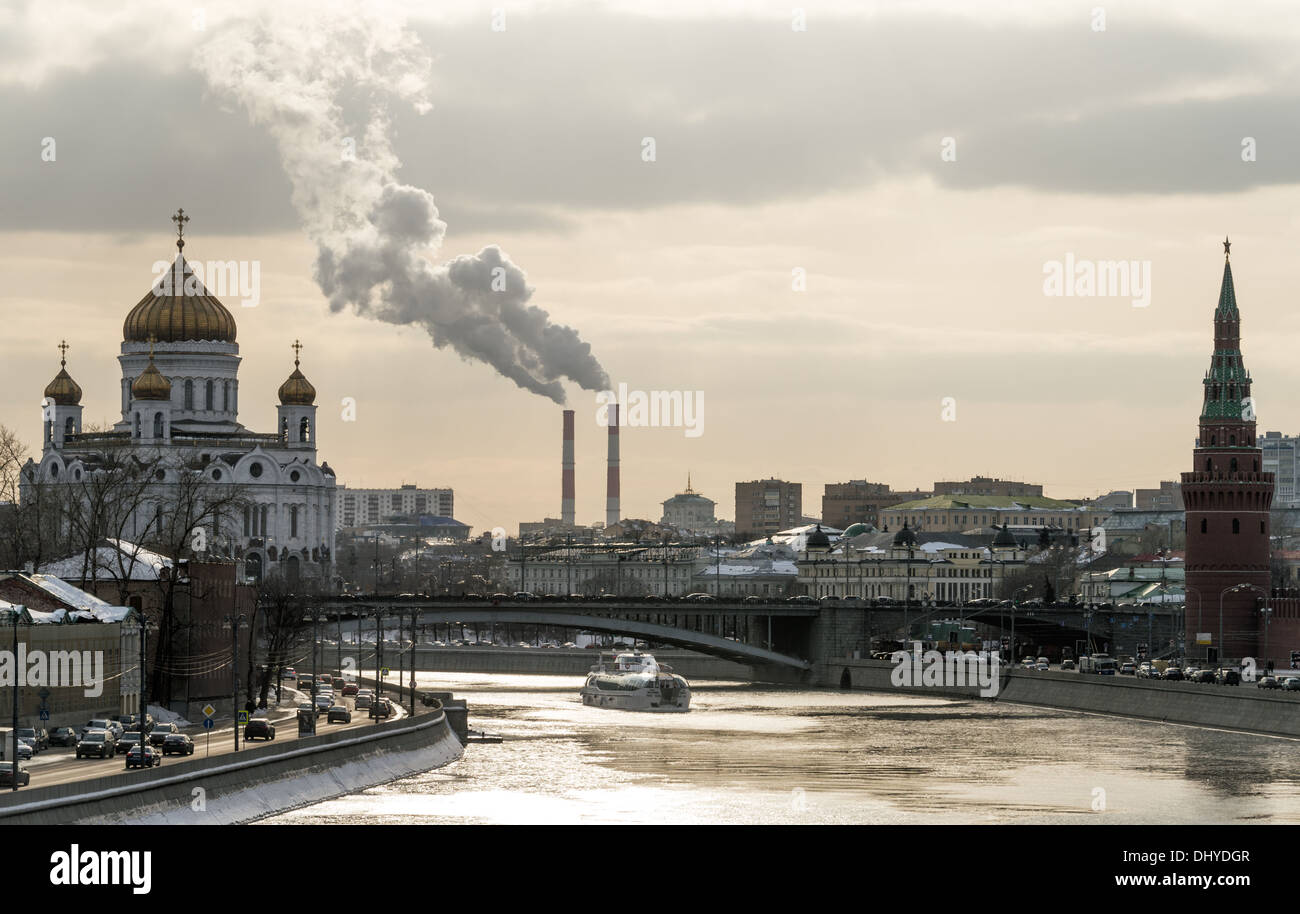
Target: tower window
<point x="157" y="425"/>
<point x="189" y="394"/>
<point x="293" y="520"/>
<point x="304" y="430"/>
<point x="1204" y="525"/>
<point x="1261" y="526"/>
<point x="209" y="395"/>
<point x="1236" y="525"/>
<point x="1208" y="465"/>
<point x="1233" y="465"/>
<point x="67" y="426"/>
<point x="137" y="425"/>
<point x="1232" y="440"/>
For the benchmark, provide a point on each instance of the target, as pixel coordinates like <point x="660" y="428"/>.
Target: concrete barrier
<point x="1242" y="707"/>
<point x="259" y="781"/>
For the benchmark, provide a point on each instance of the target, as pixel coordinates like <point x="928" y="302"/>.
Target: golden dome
<point x="297" y="390"/>
<point x="151" y="385"/>
<point x="169" y="314"/>
<point x="63" y="390"/>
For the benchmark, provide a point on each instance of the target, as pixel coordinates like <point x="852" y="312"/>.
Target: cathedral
<point x="262" y="499"/>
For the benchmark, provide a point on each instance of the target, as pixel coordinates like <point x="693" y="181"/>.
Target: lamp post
<point x="14" y="612"/>
<point x="1014" y="597"/>
<point x="234" y="622"/>
<point x="1235" y="588"/>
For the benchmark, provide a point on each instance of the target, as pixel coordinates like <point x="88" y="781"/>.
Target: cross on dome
<point x="180" y="219"/>
<point x="63" y="352"/>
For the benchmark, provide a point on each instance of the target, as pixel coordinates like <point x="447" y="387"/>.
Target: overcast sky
<point x="776" y="150"/>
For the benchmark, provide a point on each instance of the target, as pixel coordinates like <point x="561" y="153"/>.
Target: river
<point x="750" y="753"/>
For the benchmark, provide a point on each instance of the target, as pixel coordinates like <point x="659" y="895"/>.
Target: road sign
<point x="44" y="693"/>
<point x="208" y="723"/>
<point x="208" y="711"/>
<point x="384" y="671"/>
<point x="243" y="717"/>
<point x="45" y="715"/>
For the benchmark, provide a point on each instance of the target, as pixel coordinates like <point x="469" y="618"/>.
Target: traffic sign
<point x="208" y="711"/>
<point x="243" y="717"/>
<point x="44" y="693"/>
<point x="208" y="723"/>
<point x="384" y="671"/>
<point x="45" y="715"/>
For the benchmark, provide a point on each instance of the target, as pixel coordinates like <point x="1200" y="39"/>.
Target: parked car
<point x="1204" y="676"/>
<point x="99" y="743"/>
<point x="38" y="735"/>
<point x="63" y="736"/>
<point x="802" y="598"/>
<point x="1128" y="669"/>
<point x="1292" y="684"/>
<point x="1173" y="674"/>
<point x="177" y="744"/>
<point x="1147" y="671"/>
<point x="339" y="714"/>
<point x="158" y="735"/>
<point x="259" y="728"/>
<point x="1227" y="676"/>
<point x="1067" y="664"/>
<point x="24" y="747"/>
<point x="1267" y="682"/>
<point x="524" y="596"/>
<point x="143" y="756"/>
<point x="7" y="775"/>
<point x="699" y="598"/>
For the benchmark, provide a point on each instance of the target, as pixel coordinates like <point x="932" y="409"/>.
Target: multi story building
<point x="626" y="569"/>
<point x="960" y="513"/>
<point x="983" y="485"/>
<point x="860" y="502"/>
<point x="358" y="507"/>
<point x="767" y="506"/>
<point x="909" y="569"/>
<point x="1279" y="458"/>
<point x="690" y="511"/>
<point x="1228" y="495"/>
<point x="1169" y="497"/>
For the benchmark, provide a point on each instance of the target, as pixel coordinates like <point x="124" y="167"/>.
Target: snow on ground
<point x="163" y="716"/>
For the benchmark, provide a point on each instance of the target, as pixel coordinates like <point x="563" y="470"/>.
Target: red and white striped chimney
<point x="611" y="487"/>
<point x="566" y="472"/>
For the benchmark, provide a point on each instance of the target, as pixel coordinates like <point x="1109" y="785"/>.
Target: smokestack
<point x="566" y="471"/>
<point x="611" y="487"/>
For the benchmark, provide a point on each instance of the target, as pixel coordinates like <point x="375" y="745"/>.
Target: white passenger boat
<point x="635" y="681"/>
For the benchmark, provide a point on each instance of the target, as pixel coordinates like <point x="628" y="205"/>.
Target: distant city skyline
<point x="856" y="296"/>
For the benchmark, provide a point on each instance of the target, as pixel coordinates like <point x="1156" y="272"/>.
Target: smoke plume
<point x="305" y="77"/>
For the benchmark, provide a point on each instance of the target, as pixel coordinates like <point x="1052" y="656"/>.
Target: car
<point x="523" y="595"/>
<point x="288" y="673"/>
<point x="349" y="688"/>
<point x="802" y="598"/>
<point x="1067" y="664"/>
<point x="1128" y="669"/>
<point x="1042" y="667"/>
<point x="99" y="743"/>
<point x="699" y="598"/>
<point x="1147" y="671"/>
<point x="362" y="702"/>
<point x="324" y="679"/>
<point x="1227" y="676"/>
<point x="38" y="735"/>
<point x="130" y="739"/>
<point x="1204" y="676"/>
<point x="381" y="707"/>
<point x="143" y="756"/>
<point x="523" y="644"/>
<point x="1173" y="674"/>
<point x="99" y="724"/>
<point x="24" y="748"/>
<point x="158" y="735"/>
<point x="1267" y="682"/>
<point x="63" y="736"/>
<point x="1292" y="684"/>
<point x="339" y="714"/>
<point x="259" y="728"/>
<point x="324" y="703"/>
<point x="7" y="775"/>
<point x="177" y="744"/>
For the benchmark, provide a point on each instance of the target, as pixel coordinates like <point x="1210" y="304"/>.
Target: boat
<point x="635" y="681"/>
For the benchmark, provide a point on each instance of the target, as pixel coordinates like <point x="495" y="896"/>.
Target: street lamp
<point x="233" y="622"/>
<point x="1227" y="590"/>
<point x="14" y="613"/>
<point x="1015" y="596"/>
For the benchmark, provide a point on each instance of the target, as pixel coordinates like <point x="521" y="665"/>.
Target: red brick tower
<point x="1227" y="500"/>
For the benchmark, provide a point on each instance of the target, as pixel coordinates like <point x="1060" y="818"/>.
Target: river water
<point x="760" y="754"/>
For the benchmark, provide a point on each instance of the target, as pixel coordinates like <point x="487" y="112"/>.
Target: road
<point x="60" y="765"/>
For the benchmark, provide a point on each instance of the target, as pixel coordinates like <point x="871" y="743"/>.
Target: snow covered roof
<point x="111" y="560"/>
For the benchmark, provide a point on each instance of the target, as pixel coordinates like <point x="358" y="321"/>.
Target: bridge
<point x="763" y="634"/>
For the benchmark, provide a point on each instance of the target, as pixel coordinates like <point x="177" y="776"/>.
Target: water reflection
<point x="755" y="753"/>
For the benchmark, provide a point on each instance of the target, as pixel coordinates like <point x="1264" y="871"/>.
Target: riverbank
<point x="1243" y="707"/>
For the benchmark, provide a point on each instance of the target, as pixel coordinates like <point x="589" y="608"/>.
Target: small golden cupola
<point x="151" y="385"/>
<point x="63" y="390"/>
<point x="297" y="390"/>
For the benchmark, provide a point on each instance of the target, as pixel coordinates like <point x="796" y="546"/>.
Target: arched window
<point x="304" y="430"/>
<point x="1208" y="465"/>
<point x="137" y="425"/>
<point x="1261" y="526"/>
<point x="189" y="394"/>
<point x="293" y="520"/>
<point x="1204" y="526"/>
<point x="157" y="425"/>
<point x="1236" y="525"/>
<point x="68" y="427"/>
<point x="284" y="430"/>
<point x="209" y="395"/>
<point x="1233" y="465"/>
<point x="225" y="395"/>
<point x="1214" y="440"/>
<point x="1232" y="441"/>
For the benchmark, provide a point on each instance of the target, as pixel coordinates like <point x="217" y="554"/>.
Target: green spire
<point x="1227" y="383"/>
<point x="1227" y="294"/>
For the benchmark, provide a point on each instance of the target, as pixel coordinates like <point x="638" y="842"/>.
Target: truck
<point x="1101" y="664"/>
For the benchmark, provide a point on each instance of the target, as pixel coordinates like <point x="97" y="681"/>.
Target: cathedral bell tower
<point x="296" y="414"/>
<point x="1227" y="499"/>
<point x="62" y="404"/>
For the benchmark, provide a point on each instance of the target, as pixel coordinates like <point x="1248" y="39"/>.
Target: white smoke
<point x="297" y="74"/>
